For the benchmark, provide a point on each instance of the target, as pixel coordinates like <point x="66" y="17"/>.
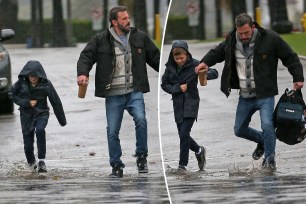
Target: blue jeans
<point x="115" y="106"/>
<point x="245" y="110"/>
<point x="186" y="141"/>
<point x="28" y="141"/>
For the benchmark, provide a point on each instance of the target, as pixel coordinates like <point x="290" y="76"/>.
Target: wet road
<point x="74" y="176"/>
<point x="230" y="176"/>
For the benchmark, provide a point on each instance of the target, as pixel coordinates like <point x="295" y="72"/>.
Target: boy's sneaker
<point x="258" y="152"/>
<point x="117" y="171"/>
<point x="42" y="167"/>
<point x="201" y="157"/>
<point x="32" y="166"/>
<point x="269" y="165"/>
<point x="142" y="164"/>
<point x="182" y="168"/>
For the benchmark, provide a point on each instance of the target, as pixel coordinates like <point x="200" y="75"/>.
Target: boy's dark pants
<point x="28" y="140"/>
<point x="186" y="141"/>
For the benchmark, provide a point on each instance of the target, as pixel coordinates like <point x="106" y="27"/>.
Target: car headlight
<point x="3" y="82"/>
<point x="2" y="55"/>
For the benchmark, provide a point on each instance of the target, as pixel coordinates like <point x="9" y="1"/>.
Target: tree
<point x="36" y="24"/>
<point x="105" y="14"/>
<point x="218" y="18"/>
<point x="238" y="7"/>
<point x="140" y="15"/>
<point x="279" y="16"/>
<point x="8" y="13"/>
<point x="59" y="31"/>
<point x="201" y="27"/>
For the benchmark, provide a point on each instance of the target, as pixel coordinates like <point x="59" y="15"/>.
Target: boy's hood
<point x="178" y="43"/>
<point x="33" y="68"/>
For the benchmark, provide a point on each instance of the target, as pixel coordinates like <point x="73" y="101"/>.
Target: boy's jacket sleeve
<point x="212" y="74"/>
<point x="57" y="105"/>
<point x="14" y="96"/>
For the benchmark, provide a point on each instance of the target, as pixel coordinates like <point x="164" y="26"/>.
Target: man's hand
<point x="201" y="66"/>
<point x="33" y="103"/>
<point x="82" y="80"/>
<point x="298" y="85"/>
<point x="183" y="87"/>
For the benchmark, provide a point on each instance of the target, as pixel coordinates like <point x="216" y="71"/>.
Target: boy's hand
<point x="183" y="87"/>
<point x="201" y="66"/>
<point x="82" y="80"/>
<point x="33" y="103"/>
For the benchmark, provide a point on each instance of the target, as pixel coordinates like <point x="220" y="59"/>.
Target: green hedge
<point x="82" y="31"/>
<point x="177" y="28"/>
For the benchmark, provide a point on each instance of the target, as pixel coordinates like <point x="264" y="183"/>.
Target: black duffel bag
<point x="289" y="118"/>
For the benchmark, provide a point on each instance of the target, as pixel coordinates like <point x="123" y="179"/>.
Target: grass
<point x="297" y="41"/>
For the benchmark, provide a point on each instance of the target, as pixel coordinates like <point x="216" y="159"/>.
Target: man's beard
<point x="124" y="29"/>
<point x="246" y="42"/>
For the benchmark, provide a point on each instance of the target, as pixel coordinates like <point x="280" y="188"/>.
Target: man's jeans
<point x="115" y="106"/>
<point x="186" y="141"/>
<point x="245" y="109"/>
<point x="28" y="140"/>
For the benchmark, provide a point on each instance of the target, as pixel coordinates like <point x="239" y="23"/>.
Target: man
<point x="251" y="56"/>
<point x="121" y="53"/>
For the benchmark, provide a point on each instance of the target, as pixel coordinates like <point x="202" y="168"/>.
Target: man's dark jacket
<point x="268" y="48"/>
<point x="21" y="94"/>
<point x="100" y="50"/>
<point x="185" y="104"/>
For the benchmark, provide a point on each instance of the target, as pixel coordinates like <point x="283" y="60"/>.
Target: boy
<point x="181" y="81"/>
<point x="30" y="92"/>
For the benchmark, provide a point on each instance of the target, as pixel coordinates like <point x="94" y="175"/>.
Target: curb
<point x="302" y="57"/>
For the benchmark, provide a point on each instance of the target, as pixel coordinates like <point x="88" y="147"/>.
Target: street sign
<point x="193" y="11"/>
<point x="97" y="18"/>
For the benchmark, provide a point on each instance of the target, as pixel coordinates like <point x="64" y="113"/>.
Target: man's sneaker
<point x="142" y="164"/>
<point x="117" y="171"/>
<point x="182" y="168"/>
<point x="32" y="166"/>
<point x="201" y="157"/>
<point x="258" y="152"/>
<point x="42" y="167"/>
<point x="269" y="165"/>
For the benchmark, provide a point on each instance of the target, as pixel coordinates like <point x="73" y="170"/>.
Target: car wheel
<point x="6" y="105"/>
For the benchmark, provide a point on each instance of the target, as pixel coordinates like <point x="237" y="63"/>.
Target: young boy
<point x="181" y="81"/>
<point x="30" y="92"/>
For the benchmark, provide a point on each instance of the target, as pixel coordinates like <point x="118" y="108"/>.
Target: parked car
<point x="6" y="105"/>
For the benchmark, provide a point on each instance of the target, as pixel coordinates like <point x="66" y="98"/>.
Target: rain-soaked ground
<point x="77" y="154"/>
<point x="230" y="176"/>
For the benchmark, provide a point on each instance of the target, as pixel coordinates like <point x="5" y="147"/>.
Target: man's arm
<point x="152" y="54"/>
<point x="290" y="60"/>
<point x="213" y="57"/>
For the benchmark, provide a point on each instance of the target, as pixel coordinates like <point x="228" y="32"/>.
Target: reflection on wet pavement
<point x="240" y="187"/>
<point x="19" y="184"/>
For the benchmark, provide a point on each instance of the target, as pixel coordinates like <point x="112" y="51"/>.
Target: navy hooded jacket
<point x="21" y="94"/>
<point x="185" y="104"/>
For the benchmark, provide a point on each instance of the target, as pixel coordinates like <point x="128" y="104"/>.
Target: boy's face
<point x="33" y="79"/>
<point x="180" y="59"/>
